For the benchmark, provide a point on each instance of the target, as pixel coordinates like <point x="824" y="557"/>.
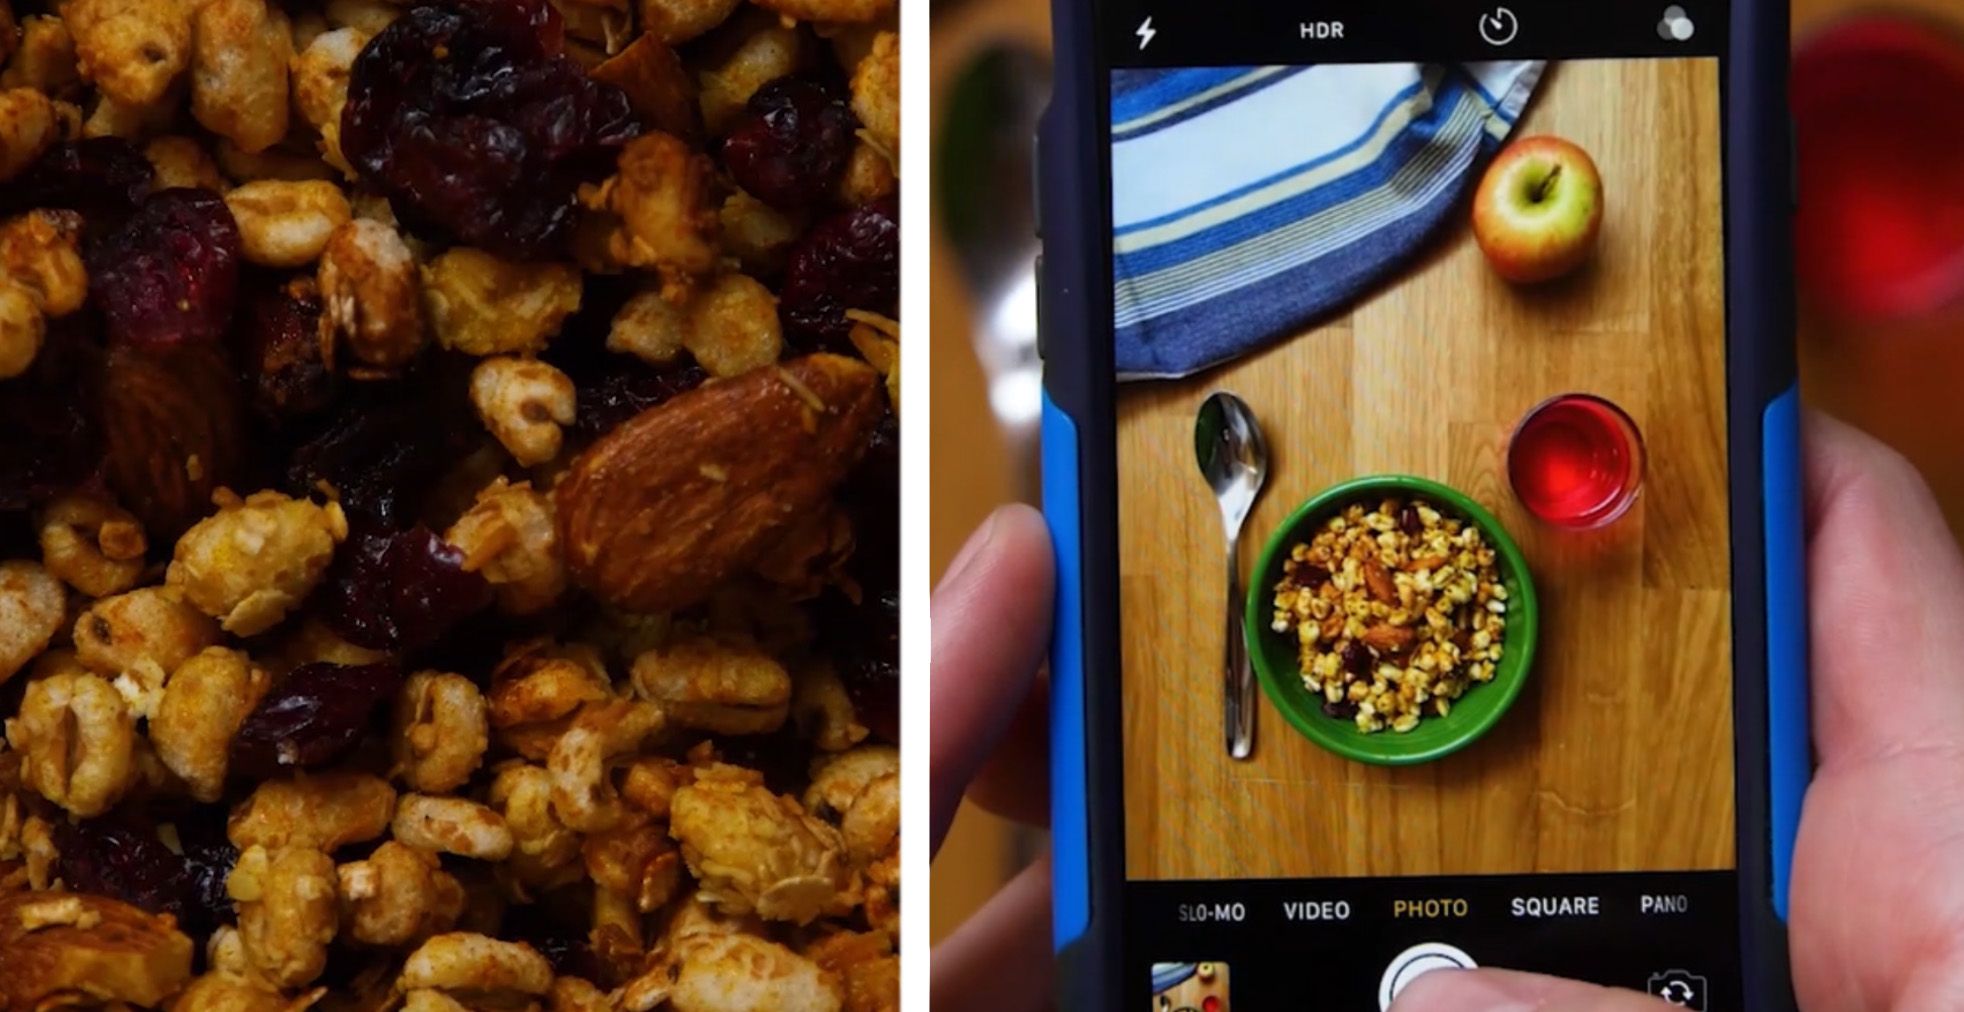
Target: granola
<point x="1398" y="609"/>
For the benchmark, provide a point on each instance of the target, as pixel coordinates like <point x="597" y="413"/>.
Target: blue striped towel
<point x="1250" y="201"/>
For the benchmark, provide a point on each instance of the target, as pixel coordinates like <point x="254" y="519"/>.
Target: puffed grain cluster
<point x="1397" y="610"/>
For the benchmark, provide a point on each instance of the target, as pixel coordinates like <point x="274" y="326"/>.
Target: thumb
<point x="1886" y="581"/>
<point x="1508" y="991"/>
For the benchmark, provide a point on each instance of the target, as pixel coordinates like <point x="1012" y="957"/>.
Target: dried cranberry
<point x="399" y="591"/>
<point x="280" y="349"/>
<point x="102" y="177"/>
<point x="169" y="275"/>
<point x="121" y="857"/>
<point x="382" y="448"/>
<point x="1342" y="709"/>
<point x="313" y="716"/>
<point x="1409" y="521"/>
<point x="556" y="936"/>
<point x="478" y="127"/>
<point x="848" y="261"/>
<point x="1357" y="658"/>
<point x="792" y="143"/>
<point x="208" y="861"/>
<point x="608" y="399"/>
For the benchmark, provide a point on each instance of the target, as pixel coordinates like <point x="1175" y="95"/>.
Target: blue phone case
<point x="1080" y="490"/>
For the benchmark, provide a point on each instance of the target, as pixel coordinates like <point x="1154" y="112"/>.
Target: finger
<point x="1885" y="577"/>
<point x="999" y="960"/>
<point x="991" y="617"/>
<point x="1015" y="782"/>
<point x="1508" y="991"/>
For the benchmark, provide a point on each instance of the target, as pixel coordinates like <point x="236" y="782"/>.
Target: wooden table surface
<point x="1617" y="753"/>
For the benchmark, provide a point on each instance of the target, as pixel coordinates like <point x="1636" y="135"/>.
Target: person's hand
<point x="989" y="740"/>
<point x="1877" y="914"/>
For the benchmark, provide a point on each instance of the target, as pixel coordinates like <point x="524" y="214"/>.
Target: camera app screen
<point x="1425" y="593"/>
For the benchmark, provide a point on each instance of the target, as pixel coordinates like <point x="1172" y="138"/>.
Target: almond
<point x="171" y="431"/>
<point x="1378" y="579"/>
<point x="1388" y="640"/>
<point x="693" y="491"/>
<point x="60" y="945"/>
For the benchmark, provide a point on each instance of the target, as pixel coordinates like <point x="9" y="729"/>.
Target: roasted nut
<point x="649" y="327"/>
<point x="205" y="701"/>
<point x="545" y="853"/>
<point x="41" y="252"/>
<point x="524" y="402"/>
<point x="76" y="739"/>
<point x="760" y="236"/>
<point x="601" y="735"/>
<point x="754" y="852"/>
<point x="27" y="126"/>
<point x="286" y="902"/>
<point x="876" y="92"/>
<point x="725" y="467"/>
<point x="664" y="195"/>
<point x="754" y="50"/>
<point x="62" y="950"/>
<point x="440" y="733"/>
<point x="733" y="326"/>
<point x="32" y="607"/>
<point x="371" y="294"/>
<point x="474" y="964"/>
<point x="657" y="86"/>
<point x="509" y="536"/>
<point x="182" y="161"/>
<point x="481" y="305"/>
<point x="322" y="811"/>
<point x="712" y="685"/>
<point x="320" y="86"/>
<point x="453" y="826"/>
<point x="131" y="49"/>
<point x="536" y="689"/>
<point x="286" y="224"/>
<point x="239" y="55"/>
<point x="256" y="559"/>
<point x="677" y="21"/>
<point x="398" y="896"/>
<point x="45" y="60"/>
<point x="22" y="328"/>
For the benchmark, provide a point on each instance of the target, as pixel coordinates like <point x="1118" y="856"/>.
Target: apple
<point x="1539" y="209"/>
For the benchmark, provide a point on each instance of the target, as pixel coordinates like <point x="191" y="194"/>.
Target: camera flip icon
<point x="1679" y="987"/>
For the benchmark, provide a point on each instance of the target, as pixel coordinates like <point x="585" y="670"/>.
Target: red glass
<point x="1576" y="461"/>
<point x="1878" y="101"/>
<point x="1210" y="1004"/>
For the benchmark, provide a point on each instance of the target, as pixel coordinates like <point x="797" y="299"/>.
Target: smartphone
<point x="1420" y="449"/>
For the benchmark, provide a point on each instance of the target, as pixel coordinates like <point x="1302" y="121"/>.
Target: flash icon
<point x="1145" y="33"/>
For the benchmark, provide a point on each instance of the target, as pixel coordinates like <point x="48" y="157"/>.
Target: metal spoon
<point x="1234" y="459"/>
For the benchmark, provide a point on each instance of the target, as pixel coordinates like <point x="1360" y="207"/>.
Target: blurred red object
<point x="1879" y="104"/>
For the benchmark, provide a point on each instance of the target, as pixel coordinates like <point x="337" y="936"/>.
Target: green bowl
<point x="1473" y="714"/>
